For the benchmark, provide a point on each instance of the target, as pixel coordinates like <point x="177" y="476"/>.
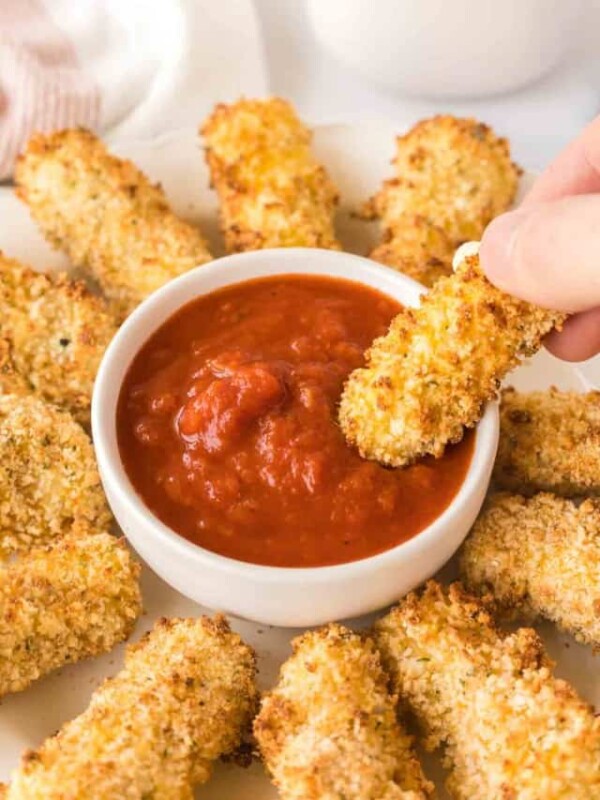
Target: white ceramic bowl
<point x="448" y="48"/>
<point x="275" y="595"/>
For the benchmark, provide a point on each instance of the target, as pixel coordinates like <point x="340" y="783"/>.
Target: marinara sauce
<point x="227" y="427"/>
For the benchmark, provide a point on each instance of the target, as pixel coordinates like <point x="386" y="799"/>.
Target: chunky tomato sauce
<point x="227" y="428"/>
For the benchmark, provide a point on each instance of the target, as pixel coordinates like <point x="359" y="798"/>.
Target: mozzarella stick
<point x="549" y="441"/>
<point x="539" y="556"/>
<point x="329" y="728"/>
<point x="455" y="173"/>
<point x="431" y="375"/>
<point x="57" y="331"/>
<point x="106" y="215"/>
<point x="49" y="481"/>
<point x="63" y="603"/>
<point x="510" y="728"/>
<point x="183" y="698"/>
<point x="272" y="191"/>
<point x="417" y="248"/>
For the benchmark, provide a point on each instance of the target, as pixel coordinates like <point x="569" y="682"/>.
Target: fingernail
<point x="498" y="248"/>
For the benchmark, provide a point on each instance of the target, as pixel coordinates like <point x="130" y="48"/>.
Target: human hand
<point x="548" y="250"/>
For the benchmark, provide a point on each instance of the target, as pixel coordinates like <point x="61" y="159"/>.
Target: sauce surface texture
<point x="227" y="428"/>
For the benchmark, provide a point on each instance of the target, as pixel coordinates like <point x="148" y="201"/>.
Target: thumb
<point x="548" y="254"/>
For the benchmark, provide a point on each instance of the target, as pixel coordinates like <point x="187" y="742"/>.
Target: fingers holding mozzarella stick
<point x="549" y="441"/>
<point x="539" y="557"/>
<point x="63" y="603"/>
<point x="272" y="190"/>
<point x="509" y="728"/>
<point x="108" y="217"/>
<point x="430" y="376"/>
<point x="329" y="728"/>
<point x="184" y="697"/>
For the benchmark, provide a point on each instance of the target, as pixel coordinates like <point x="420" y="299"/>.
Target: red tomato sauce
<point x="227" y="428"/>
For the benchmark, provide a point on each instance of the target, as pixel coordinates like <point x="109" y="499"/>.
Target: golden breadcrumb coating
<point x="49" y="482"/>
<point x="417" y="248"/>
<point x="329" y="728"/>
<point x="183" y="698"/>
<point x="511" y="730"/>
<point x="58" y="333"/>
<point x="106" y="215"/>
<point x="539" y="556"/>
<point x="11" y="380"/>
<point x="63" y="603"/>
<point x="549" y="441"/>
<point x="272" y="191"/>
<point x="430" y="376"/>
<point x="454" y="172"/>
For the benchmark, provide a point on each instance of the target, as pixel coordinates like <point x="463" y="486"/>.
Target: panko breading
<point x="58" y="332"/>
<point x="183" y="698"/>
<point x="11" y="380"/>
<point x="539" y="556"/>
<point x="549" y="441"/>
<point x="272" y="191"/>
<point x="417" y="248"/>
<point x="456" y="173"/>
<point x="430" y="376"/>
<point x="107" y="216"/>
<point x="49" y="482"/>
<point x="509" y="727"/>
<point x="63" y="603"/>
<point x="329" y="728"/>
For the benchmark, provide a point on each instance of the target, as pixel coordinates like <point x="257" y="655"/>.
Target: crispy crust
<point x="430" y="376"/>
<point x="329" y="729"/>
<point x="64" y="603"/>
<point x="510" y="729"/>
<point x="272" y="191"/>
<point x="183" y="699"/>
<point x="454" y="172"/>
<point x="549" y="441"/>
<point x="49" y="482"/>
<point x="11" y="380"/>
<point x="58" y="332"/>
<point x="417" y="248"/>
<point x="539" y="557"/>
<point x="106" y="215"/>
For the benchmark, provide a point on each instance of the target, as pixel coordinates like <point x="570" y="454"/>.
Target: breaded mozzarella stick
<point x="539" y="557"/>
<point x="510" y="729"/>
<point x="417" y="248"/>
<point x="272" y="191"/>
<point x="63" y="603"/>
<point x="329" y="728"/>
<point x="452" y="177"/>
<point x="455" y="173"/>
<point x="183" y="698"/>
<point x="58" y="332"/>
<point x="106" y="215"/>
<point x="549" y="441"/>
<point x="49" y="481"/>
<point x="430" y="376"/>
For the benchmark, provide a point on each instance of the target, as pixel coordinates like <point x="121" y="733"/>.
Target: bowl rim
<point x="259" y="263"/>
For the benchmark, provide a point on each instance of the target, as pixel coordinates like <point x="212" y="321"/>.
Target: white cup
<point x="448" y="48"/>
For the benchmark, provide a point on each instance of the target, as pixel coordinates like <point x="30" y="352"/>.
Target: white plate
<point x="358" y="159"/>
